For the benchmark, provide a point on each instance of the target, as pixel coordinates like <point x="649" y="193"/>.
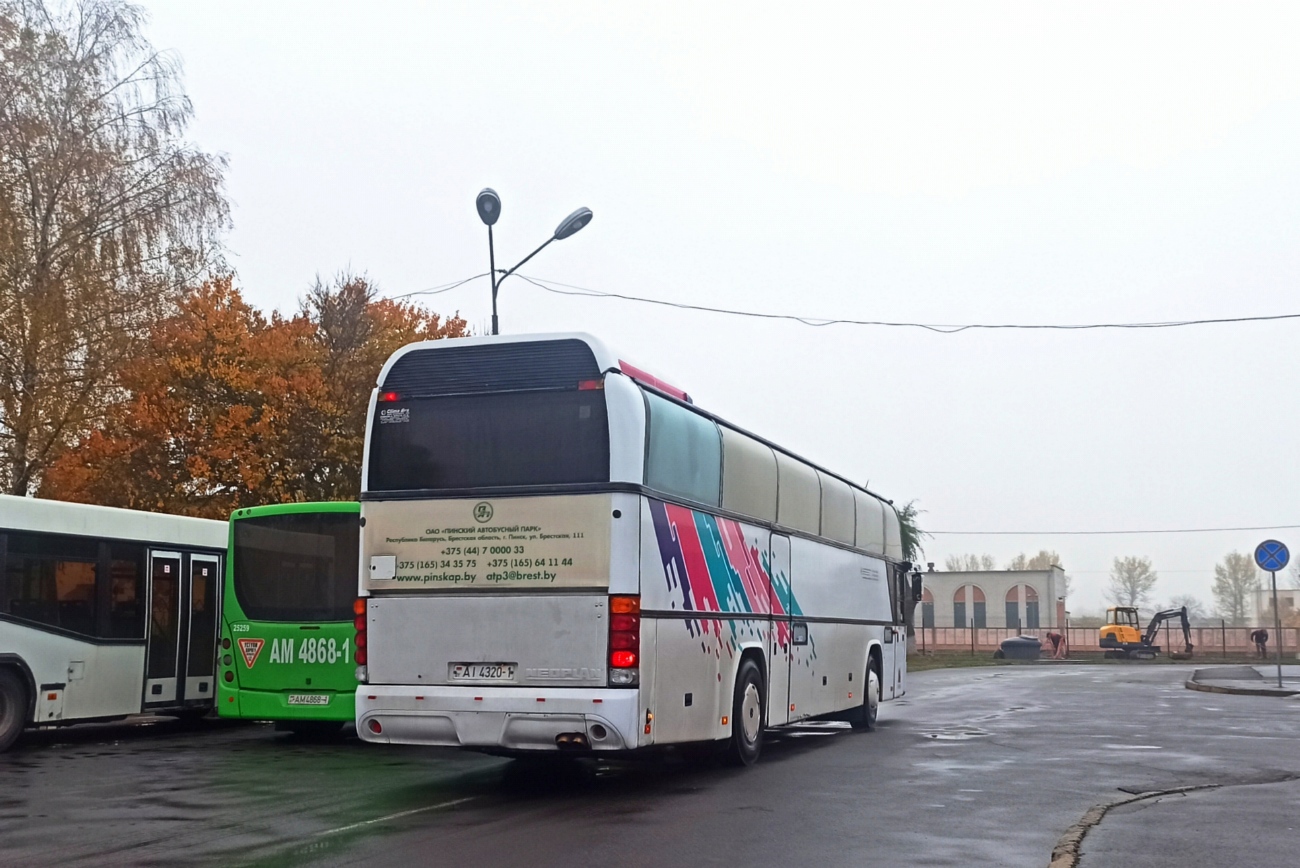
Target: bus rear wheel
<point x="13" y="707"/>
<point x="748" y="716"/>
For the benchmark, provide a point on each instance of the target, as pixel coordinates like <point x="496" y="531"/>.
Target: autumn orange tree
<point x="230" y="408"/>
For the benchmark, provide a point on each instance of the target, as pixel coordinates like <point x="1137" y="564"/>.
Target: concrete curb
<point x="1068" y="847"/>
<point x="1194" y="683"/>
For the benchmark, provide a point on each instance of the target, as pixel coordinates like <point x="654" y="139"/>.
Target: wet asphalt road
<point x="975" y="767"/>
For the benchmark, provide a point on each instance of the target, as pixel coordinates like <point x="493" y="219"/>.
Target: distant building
<point x="1015" y="599"/>
<point x="1288" y="601"/>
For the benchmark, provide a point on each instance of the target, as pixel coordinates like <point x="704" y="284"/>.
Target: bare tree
<point x="1131" y="581"/>
<point x="969" y="563"/>
<point x="1197" y="612"/>
<point x="106" y="213"/>
<point x="1234" y="581"/>
<point x="1044" y="560"/>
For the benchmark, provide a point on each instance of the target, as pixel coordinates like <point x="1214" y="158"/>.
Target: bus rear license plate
<point x="482" y="672"/>
<point x="308" y="699"/>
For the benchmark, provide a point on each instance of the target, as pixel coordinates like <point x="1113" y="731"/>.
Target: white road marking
<point x="399" y="814"/>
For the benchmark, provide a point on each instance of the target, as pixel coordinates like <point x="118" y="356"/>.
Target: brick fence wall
<point x="1208" y="640"/>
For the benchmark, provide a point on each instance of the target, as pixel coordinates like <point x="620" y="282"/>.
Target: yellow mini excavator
<point x="1120" y="636"/>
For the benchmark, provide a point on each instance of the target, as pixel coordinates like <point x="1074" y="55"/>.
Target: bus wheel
<point x="864" y="717"/>
<point x="747" y="716"/>
<point x="13" y="707"/>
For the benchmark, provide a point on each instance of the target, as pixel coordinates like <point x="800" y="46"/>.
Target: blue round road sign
<point x="1272" y="555"/>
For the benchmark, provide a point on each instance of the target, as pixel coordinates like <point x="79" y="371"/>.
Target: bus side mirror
<point x="916" y="588"/>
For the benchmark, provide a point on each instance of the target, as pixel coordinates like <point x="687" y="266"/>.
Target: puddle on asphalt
<point x="956" y="735"/>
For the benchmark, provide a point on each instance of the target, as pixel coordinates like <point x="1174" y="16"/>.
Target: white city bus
<point x="561" y="552"/>
<point x="104" y="613"/>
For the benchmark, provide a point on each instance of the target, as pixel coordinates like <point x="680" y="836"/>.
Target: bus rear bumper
<point x="510" y="718"/>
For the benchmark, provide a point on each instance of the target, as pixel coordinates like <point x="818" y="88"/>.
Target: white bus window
<point x="748" y="476"/>
<point x="837" y="509"/>
<point x="685" y="455"/>
<point x="51" y="580"/>
<point x="799" y="495"/>
<point x="487" y="441"/>
<point x="870" y="533"/>
<point x="126" y="592"/>
<point x="893" y="535"/>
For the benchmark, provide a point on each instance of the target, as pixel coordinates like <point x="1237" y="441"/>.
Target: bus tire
<point x="13" y="707"/>
<point x="748" y="716"/>
<point x="864" y="716"/>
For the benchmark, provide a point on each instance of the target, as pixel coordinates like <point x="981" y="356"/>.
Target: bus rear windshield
<point x="297" y="567"/>
<point x="487" y="441"/>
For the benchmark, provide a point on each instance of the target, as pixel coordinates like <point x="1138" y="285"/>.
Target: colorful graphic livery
<point x="287" y="632"/>
<point x="560" y="552"/>
<point x="713" y="567"/>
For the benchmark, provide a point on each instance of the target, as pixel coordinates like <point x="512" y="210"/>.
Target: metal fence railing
<point x="1208" y="641"/>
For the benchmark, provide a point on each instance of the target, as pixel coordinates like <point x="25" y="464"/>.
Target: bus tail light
<point x="624" y="640"/>
<point x="359" y="642"/>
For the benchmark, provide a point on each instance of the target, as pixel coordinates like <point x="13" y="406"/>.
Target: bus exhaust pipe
<point x="571" y="741"/>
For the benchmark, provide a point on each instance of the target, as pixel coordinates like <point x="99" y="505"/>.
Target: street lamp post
<point x="488" y="204"/>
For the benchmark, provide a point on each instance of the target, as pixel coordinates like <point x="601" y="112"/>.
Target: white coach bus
<point x="104" y="613"/>
<point x="561" y="552"/>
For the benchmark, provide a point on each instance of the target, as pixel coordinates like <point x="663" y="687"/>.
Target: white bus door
<point x="778" y="686"/>
<point x="889" y="674"/>
<point x="162" y="657"/>
<point x="201" y="648"/>
<point x="900" y="660"/>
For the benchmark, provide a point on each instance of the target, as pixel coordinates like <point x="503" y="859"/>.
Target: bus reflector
<point x="590" y="385"/>
<point x="374" y="726"/>
<point x="389" y="397"/>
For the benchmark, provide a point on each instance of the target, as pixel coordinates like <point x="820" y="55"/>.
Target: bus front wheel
<point x="748" y="713"/>
<point x="13" y="707"/>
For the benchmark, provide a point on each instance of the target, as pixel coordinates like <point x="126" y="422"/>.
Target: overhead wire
<point x="1106" y="532"/>
<point x="437" y="290"/>
<point x="559" y="288"/>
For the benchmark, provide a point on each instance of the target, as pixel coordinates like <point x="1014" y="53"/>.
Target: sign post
<point x="1272" y="556"/>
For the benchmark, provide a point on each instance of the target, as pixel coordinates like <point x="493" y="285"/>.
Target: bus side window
<point x="126" y="592"/>
<point x="685" y="456"/>
<point x="50" y="579"/>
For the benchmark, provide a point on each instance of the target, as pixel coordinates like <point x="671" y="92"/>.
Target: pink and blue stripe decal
<point x="712" y="569"/>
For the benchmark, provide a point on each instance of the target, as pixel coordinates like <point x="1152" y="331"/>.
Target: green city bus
<point x="287" y="625"/>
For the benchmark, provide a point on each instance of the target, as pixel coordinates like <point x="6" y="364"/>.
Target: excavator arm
<point x="1167" y="615"/>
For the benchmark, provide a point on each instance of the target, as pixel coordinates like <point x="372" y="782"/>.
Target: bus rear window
<point x="488" y="441"/>
<point x="297" y="567"/>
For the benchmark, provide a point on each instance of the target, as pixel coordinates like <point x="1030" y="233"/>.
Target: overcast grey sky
<point x="950" y="163"/>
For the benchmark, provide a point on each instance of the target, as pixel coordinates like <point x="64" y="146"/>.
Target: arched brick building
<point x="1028" y="599"/>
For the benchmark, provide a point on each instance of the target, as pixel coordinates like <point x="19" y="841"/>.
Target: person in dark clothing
<point x="1260" y="638"/>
